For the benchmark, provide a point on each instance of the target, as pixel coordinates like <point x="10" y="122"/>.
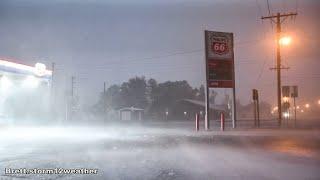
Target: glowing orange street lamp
<point x="285" y="99"/>
<point x="285" y="40"/>
<point x="307" y="105"/>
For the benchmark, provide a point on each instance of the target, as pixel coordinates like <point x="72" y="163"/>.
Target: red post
<point x="197" y="121"/>
<point x="222" y="121"/>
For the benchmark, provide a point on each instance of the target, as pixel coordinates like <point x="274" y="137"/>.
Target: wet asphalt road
<point x="159" y="153"/>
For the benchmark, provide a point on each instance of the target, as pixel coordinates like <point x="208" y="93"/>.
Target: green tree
<point x="166" y="95"/>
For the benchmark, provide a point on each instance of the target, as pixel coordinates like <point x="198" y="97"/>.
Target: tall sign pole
<point x="207" y="92"/>
<point x="234" y="109"/>
<point x="278" y="22"/>
<point x="219" y="68"/>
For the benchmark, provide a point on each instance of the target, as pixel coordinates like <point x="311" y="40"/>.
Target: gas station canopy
<point x="39" y="70"/>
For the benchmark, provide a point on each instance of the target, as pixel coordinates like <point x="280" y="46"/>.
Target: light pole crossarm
<point x="281" y="15"/>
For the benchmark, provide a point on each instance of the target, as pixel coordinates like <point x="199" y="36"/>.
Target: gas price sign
<point x="219" y="59"/>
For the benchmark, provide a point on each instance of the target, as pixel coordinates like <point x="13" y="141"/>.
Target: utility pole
<point x="52" y="93"/>
<point x="70" y="104"/>
<point x="72" y="86"/>
<point x="52" y="78"/>
<point x="104" y="97"/>
<point x="279" y="19"/>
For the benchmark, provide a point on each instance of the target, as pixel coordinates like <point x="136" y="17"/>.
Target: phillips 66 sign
<point x="220" y="45"/>
<point x="219" y="59"/>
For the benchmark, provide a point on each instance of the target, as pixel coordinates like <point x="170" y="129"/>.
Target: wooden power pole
<point x="279" y="18"/>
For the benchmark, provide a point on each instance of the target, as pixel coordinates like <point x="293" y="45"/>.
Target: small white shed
<point x="130" y="113"/>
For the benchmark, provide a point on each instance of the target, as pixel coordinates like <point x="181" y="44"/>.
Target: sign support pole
<point x="258" y="111"/>
<point x="207" y="117"/>
<point x="295" y="111"/>
<point x="207" y="92"/>
<point x="234" y="109"/>
<point x="254" y="113"/>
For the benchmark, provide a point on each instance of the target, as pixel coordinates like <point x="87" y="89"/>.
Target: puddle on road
<point x="292" y="147"/>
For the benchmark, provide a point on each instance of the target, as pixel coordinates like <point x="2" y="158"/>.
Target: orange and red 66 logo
<point x="219" y="45"/>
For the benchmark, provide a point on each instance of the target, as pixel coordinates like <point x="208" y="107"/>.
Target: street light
<point x="319" y="101"/>
<point x="286" y="115"/>
<point x="285" y="99"/>
<point x="285" y="40"/>
<point x="307" y="105"/>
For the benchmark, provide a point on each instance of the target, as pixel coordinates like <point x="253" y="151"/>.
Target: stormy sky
<point x="111" y="41"/>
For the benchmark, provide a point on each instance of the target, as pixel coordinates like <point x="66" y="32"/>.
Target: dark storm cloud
<point x="96" y="39"/>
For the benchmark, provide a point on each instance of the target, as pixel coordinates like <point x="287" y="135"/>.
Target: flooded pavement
<point x="158" y="153"/>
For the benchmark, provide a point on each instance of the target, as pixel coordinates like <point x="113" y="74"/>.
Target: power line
<point x="297" y="4"/>
<point x="269" y="12"/>
<point x="110" y="67"/>
<point x="284" y="5"/>
<point x="173" y="54"/>
<point x="262" y="70"/>
<point x="135" y="60"/>
<point x="259" y="7"/>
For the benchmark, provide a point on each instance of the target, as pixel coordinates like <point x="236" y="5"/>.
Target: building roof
<point x="202" y="104"/>
<point x="20" y="69"/>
